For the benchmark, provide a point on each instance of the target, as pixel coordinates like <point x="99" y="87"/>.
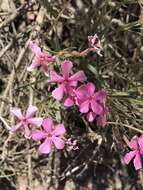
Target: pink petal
<point x="45" y="68"/>
<point x="36" y="121"/>
<point x="45" y="147"/>
<point x="100" y="95"/>
<point x="81" y="92"/>
<point x="140" y="141"/>
<point x="129" y="156"/>
<point x="101" y="120"/>
<point x="66" y="67"/>
<point x="90" y="88"/>
<point x="55" y="77"/>
<point x="137" y="161"/>
<point x="47" y="125"/>
<point x="79" y="76"/>
<point x="16" y="127"/>
<point x="84" y="107"/>
<point x="68" y="102"/>
<point x="51" y="58"/>
<point x="17" y="113"/>
<point x="34" y="65"/>
<point x="58" y="92"/>
<point x="96" y="108"/>
<point x="30" y="111"/>
<point x="134" y="143"/>
<point x="35" y="48"/>
<point x="38" y="135"/>
<point x="27" y="133"/>
<point x="91" y="116"/>
<point x="59" y="143"/>
<point x="59" y="130"/>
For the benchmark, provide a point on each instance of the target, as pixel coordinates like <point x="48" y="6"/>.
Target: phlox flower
<point x="26" y="119"/>
<point x="41" y="58"/>
<point x="94" y="42"/>
<point x="65" y="82"/>
<point x="90" y="101"/>
<point x="136" y="145"/>
<point x="50" y="136"/>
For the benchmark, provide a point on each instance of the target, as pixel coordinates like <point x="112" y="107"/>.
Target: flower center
<point x="42" y="58"/>
<point x="49" y="135"/>
<point x="24" y="120"/>
<point x="90" y="98"/>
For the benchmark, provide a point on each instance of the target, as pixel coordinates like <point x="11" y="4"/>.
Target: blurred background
<point x="60" y="27"/>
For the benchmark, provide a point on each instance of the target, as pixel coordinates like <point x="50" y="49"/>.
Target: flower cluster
<point x="70" y="89"/>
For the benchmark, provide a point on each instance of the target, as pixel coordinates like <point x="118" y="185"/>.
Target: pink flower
<point x="101" y="119"/>
<point x="42" y="58"/>
<point x="50" y="136"/>
<point x="26" y="119"/>
<point x="65" y="81"/>
<point x="89" y="99"/>
<point x="136" y="144"/>
<point x="94" y="42"/>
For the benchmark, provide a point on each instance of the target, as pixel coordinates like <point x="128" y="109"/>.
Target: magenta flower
<point x="50" y="136"/>
<point x="65" y="81"/>
<point x="89" y="99"/>
<point x="26" y="119"/>
<point x="136" y="144"/>
<point x="102" y="118"/>
<point x="42" y="58"/>
<point x="94" y="42"/>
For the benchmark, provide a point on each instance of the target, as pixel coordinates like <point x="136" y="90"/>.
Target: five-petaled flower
<point x="26" y="119"/>
<point x="90" y="101"/>
<point x="65" y="82"/>
<point x="136" y="144"/>
<point x="50" y="136"/>
<point x="42" y="58"/>
<point x="94" y="42"/>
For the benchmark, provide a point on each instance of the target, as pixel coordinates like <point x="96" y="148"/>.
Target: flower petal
<point x="35" y="48"/>
<point x="66" y="67"/>
<point x="45" y="147"/>
<point x="45" y="68"/>
<point x="38" y="135"/>
<point x="68" y="102"/>
<point x="59" y="130"/>
<point x="16" y="127"/>
<point x="17" y="112"/>
<point x="78" y="76"/>
<point x="27" y="133"/>
<point x="134" y="143"/>
<point x="55" y="77"/>
<point x="100" y="96"/>
<point x="91" y="116"/>
<point x="137" y="161"/>
<point x="140" y="141"/>
<point x="30" y="111"/>
<point x="34" y="65"/>
<point x="90" y="88"/>
<point x="59" y="143"/>
<point x="101" y="120"/>
<point x="96" y="107"/>
<point x="36" y="121"/>
<point x="84" y="107"/>
<point x="47" y="125"/>
<point x="129" y="156"/>
<point x="81" y="93"/>
<point x="58" y="92"/>
<point x="51" y="58"/>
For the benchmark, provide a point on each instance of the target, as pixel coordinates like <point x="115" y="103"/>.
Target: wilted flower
<point x="136" y="144"/>
<point x="65" y="82"/>
<point x="94" y="42"/>
<point x="50" y="136"/>
<point x="42" y="58"/>
<point x="26" y="119"/>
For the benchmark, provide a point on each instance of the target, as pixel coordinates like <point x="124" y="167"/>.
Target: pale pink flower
<point x="41" y="58"/>
<point x="50" y="136"/>
<point x="26" y="119"/>
<point x="89" y="99"/>
<point x="65" y="81"/>
<point x="94" y="42"/>
<point x="136" y="144"/>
